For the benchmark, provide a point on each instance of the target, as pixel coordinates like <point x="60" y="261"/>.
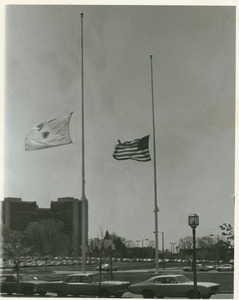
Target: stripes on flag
<point x="137" y="150"/>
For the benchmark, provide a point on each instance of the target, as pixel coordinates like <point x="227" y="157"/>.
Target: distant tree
<point x="121" y="249"/>
<point x="211" y="248"/>
<point x="47" y="238"/>
<point x="208" y="247"/>
<point x="185" y="243"/>
<point x="107" y="235"/>
<point x="206" y="242"/>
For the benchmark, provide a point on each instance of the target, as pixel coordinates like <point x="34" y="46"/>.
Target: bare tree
<point x="13" y="249"/>
<point x="185" y="243"/>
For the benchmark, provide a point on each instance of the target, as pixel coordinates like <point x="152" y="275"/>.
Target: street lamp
<point x="218" y="241"/>
<point x="193" y="222"/>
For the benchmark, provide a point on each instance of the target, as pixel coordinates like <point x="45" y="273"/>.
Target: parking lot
<point x="132" y="272"/>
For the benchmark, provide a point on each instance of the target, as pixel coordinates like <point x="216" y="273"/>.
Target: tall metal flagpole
<point x="83" y="197"/>
<point x="156" y="210"/>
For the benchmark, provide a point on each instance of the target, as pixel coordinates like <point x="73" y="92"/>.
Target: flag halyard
<point x="49" y="134"/>
<point x="136" y="150"/>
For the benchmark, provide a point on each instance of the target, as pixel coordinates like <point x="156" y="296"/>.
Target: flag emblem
<point x="45" y="134"/>
<point x="137" y="150"/>
<point x="49" y="134"/>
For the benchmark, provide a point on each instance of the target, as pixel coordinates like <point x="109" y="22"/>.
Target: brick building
<point x="18" y="214"/>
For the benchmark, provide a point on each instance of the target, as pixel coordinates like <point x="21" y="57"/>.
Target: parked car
<point x="199" y="267"/>
<point x="9" y="285"/>
<point x="173" y="286"/>
<point x="106" y="267"/>
<point x="86" y="285"/>
<point x="225" y="268"/>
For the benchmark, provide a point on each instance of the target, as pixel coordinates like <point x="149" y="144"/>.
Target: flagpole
<point x="156" y="210"/>
<point x="83" y="197"/>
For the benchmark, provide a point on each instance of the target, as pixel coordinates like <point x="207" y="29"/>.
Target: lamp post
<point x="193" y="222"/>
<point x="218" y="253"/>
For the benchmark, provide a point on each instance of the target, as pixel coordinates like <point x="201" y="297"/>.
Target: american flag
<point x="137" y="150"/>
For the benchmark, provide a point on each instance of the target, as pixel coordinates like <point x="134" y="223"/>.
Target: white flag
<point x="49" y="134"/>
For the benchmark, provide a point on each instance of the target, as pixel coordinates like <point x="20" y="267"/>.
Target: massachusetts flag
<point x="49" y="134"/>
<point x="136" y="150"/>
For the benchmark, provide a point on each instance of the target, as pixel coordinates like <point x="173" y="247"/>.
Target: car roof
<point x="167" y="275"/>
<point x="83" y="274"/>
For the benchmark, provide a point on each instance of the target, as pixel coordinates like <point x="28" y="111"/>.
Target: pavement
<point x="217" y="296"/>
<point x="223" y="296"/>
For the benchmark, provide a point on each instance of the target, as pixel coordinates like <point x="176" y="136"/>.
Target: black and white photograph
<point x="118" y="131"/>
